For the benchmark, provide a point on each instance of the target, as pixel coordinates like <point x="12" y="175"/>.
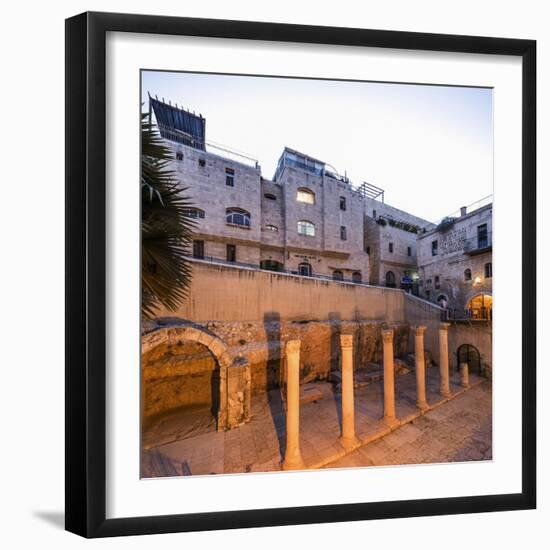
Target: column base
<point x="293" y="463"/>
<point x="390" y="421"/>
<point x="445" y="393"/>
<point x="422" y="405"/>
<point x="350" y="443"/>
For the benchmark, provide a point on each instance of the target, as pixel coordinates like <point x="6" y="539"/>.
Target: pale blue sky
<point x="429" y="147"/>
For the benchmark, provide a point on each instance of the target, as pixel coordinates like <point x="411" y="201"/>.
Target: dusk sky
<point x="429" y="147"/>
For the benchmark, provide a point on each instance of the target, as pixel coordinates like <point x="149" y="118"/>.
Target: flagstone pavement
<point x="454" y="429"/>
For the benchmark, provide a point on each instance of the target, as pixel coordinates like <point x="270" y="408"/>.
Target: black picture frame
<point x="86" y="274"/>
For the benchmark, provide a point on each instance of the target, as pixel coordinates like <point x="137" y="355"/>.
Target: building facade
<point x="311" y="221"/>
<point x="455" y="263"/>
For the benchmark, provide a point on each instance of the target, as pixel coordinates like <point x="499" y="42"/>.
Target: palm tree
<point x="166" y="232"/>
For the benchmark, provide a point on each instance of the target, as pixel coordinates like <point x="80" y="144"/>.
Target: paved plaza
<point x="457" y="428"/>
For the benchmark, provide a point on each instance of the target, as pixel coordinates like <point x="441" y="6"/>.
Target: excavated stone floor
<point x="453" y="429"/>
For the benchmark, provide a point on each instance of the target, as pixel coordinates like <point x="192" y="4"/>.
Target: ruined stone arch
<point x="174" y="335"/>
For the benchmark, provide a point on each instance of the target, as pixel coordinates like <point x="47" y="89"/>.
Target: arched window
<point x="467" y="274"/>
<point x="488" y="270"/>
<point x="480" y="307"/>
<point x="337" y="275"/>
<point x="390" y="279"/>
<point x="237" y="216"/>
<point x="193" y="213"/>
<point x="304" y="269"/>
<point x="306" y="228"/>
<point x="271" y="227"/>
<point x="356" y="277"/>
<point x="305" y="195"/>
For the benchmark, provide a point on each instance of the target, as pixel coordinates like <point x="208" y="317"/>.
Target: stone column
<point x="464" y="376"/>
<point x="293" y="456"/>
<point x="348" y="438"/>
<point x="389" y="378"/>
<point x="420" y="367"/>
<point x="444" y="359"/>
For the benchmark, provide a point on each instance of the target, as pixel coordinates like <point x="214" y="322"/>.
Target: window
<point x="304" y="269"/>
<point x="306" y="228"/>
<point x="434" y="248"/>
<point x="202" y="162"/>
<point x="482" y="236"/>
<point x="193" y="213"/>
<point x="390" y="248"/>
<point x="467" y="274"/>
<point x="305" y="195"/>
<point x="368" y="250"/>
<point x="179" y="155"/>
<point x="271" y="265"/>
<point x="356" y="277"/>
<point x="270" y="196"/>
<point x="390" y="279"/>
<point x="342" y="203"/>
<point x="237" y="216"/>
<point x="270" y="227"/>
<point x="231" y="251"/>
<point x="436" y="282"/>
<point x="230" y="177"/>
<point x="488" y="270"/>
<point x="428" y="294"/>
<point x="343" y="233"/>
<point x="198" y="249"/>
<point x="374" y="214"/>
<point x="337" y="275"/>
<point x="409" y="251"/>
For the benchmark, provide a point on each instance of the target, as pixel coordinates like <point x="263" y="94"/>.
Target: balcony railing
<point x="478" y="245"/>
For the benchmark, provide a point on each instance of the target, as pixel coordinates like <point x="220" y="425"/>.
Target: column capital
<point x="419" y="330"/>
<point x="293" y="346"/>
<point x="444" y="326"/>
<point x="346" y="340"/>
<point x="387" y="335"/>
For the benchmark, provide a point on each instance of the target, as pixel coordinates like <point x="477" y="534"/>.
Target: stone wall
<point x="226" y="293"/>
<point x="178" y="375"/>
<point x="263" y="346"/>
<point x="476" y="333"/>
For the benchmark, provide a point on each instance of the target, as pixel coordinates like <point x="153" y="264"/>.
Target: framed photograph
<point x="293" y="255"/>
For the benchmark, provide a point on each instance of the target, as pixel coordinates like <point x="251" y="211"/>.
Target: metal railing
<point x="213" y="260"/>
<point x="477" y="314"/>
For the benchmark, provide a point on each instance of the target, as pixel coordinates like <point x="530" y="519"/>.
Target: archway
<point x="390" y="279"/>
<point x="172" y="340"/>
<point x="480" y="307"/>
<point x="467" y="353"/>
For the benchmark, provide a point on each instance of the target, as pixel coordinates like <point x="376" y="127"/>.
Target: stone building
<point x="308" y="220"/>
<point x="455" y="262"/>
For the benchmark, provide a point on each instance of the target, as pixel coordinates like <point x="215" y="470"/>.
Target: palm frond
<point x="166" y="232"/>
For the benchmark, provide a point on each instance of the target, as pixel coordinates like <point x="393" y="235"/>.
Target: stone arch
<point x="471" y="304"/>
<point x="175" y="334"/>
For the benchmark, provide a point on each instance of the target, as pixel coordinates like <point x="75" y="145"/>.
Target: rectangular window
<point x="198" y="249"/>
<point x="179" y="155"/>
<point x="436" y="282"/>
<point x="434" y="248"/>
<point x="342" y="203"/>
<point x="409" y="251"/>
<point x="231" y="253"/>
<point x="390" y="247"/>
<point x="230" y="177"/>
<point x="374" y="214"/>
<point x="202" y="162"/>
<point x="343" y="235"/>
<point x="482" y="236"/>
<point x="368" y="250"/>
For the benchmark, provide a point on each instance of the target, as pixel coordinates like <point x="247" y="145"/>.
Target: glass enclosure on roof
<point x="297" y="160"/>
